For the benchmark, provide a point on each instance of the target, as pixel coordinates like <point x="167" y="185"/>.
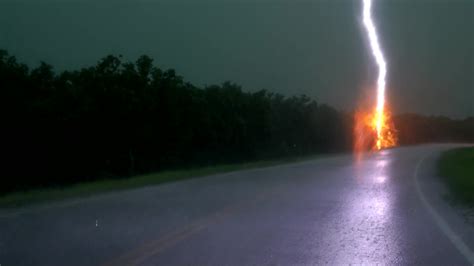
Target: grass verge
<point x="22" y="198"/>
<point x="457" y="169"/>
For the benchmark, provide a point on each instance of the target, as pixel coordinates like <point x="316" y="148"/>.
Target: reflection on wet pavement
<point x="364" y="232"/>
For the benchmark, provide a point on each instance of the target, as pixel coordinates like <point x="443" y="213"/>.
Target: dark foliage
<point x="118" y="119"/>
<point x="415" y="129"/>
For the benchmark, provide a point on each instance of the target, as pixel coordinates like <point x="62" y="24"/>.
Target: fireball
<point x="377" y="124"/>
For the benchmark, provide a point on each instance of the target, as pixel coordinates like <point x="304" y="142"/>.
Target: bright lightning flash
<point x="378" y="121"/>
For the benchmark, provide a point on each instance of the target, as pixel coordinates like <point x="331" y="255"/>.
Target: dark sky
<point x="289" y="46"/>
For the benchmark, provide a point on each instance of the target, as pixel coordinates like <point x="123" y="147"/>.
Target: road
<point x="383" y="208"/>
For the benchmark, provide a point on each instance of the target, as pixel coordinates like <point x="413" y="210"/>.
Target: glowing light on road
<point x="379" y="120"/>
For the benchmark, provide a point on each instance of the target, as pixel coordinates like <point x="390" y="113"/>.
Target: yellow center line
<point x="155" y="247"/>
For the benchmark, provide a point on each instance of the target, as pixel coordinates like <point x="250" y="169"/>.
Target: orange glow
<point x="384" y="129"/>
<point x="374" y="130"/>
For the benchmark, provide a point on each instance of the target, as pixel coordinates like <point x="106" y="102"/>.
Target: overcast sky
<point x="292" y="47"/>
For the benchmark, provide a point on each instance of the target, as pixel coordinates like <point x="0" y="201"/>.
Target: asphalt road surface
<point x="383" y="208"/>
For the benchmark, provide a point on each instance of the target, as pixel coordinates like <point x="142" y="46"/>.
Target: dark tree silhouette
<point x="118" y="119"/>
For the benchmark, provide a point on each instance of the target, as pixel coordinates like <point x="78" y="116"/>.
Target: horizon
<point x="244" y="89"/>
<point x="292" y="48"/>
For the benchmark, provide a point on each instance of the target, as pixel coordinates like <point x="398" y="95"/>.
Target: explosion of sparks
<point x="379" y="120"/>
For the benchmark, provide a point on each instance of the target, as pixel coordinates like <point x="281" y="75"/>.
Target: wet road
<point x="384" y="208"/>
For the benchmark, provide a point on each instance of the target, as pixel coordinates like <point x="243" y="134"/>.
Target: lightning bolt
<point x="382" y="66"/>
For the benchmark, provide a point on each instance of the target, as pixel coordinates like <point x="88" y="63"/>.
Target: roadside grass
<point x="456" y="167"/>
<point x="41" y="195"/>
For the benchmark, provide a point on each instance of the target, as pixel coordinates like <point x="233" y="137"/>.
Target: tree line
<point x="116" y="119"/>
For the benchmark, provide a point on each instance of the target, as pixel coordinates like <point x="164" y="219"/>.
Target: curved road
<point x="383" y="208"/>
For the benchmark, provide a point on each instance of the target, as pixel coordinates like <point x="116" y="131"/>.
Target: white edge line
<point x="442" y="224"/>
